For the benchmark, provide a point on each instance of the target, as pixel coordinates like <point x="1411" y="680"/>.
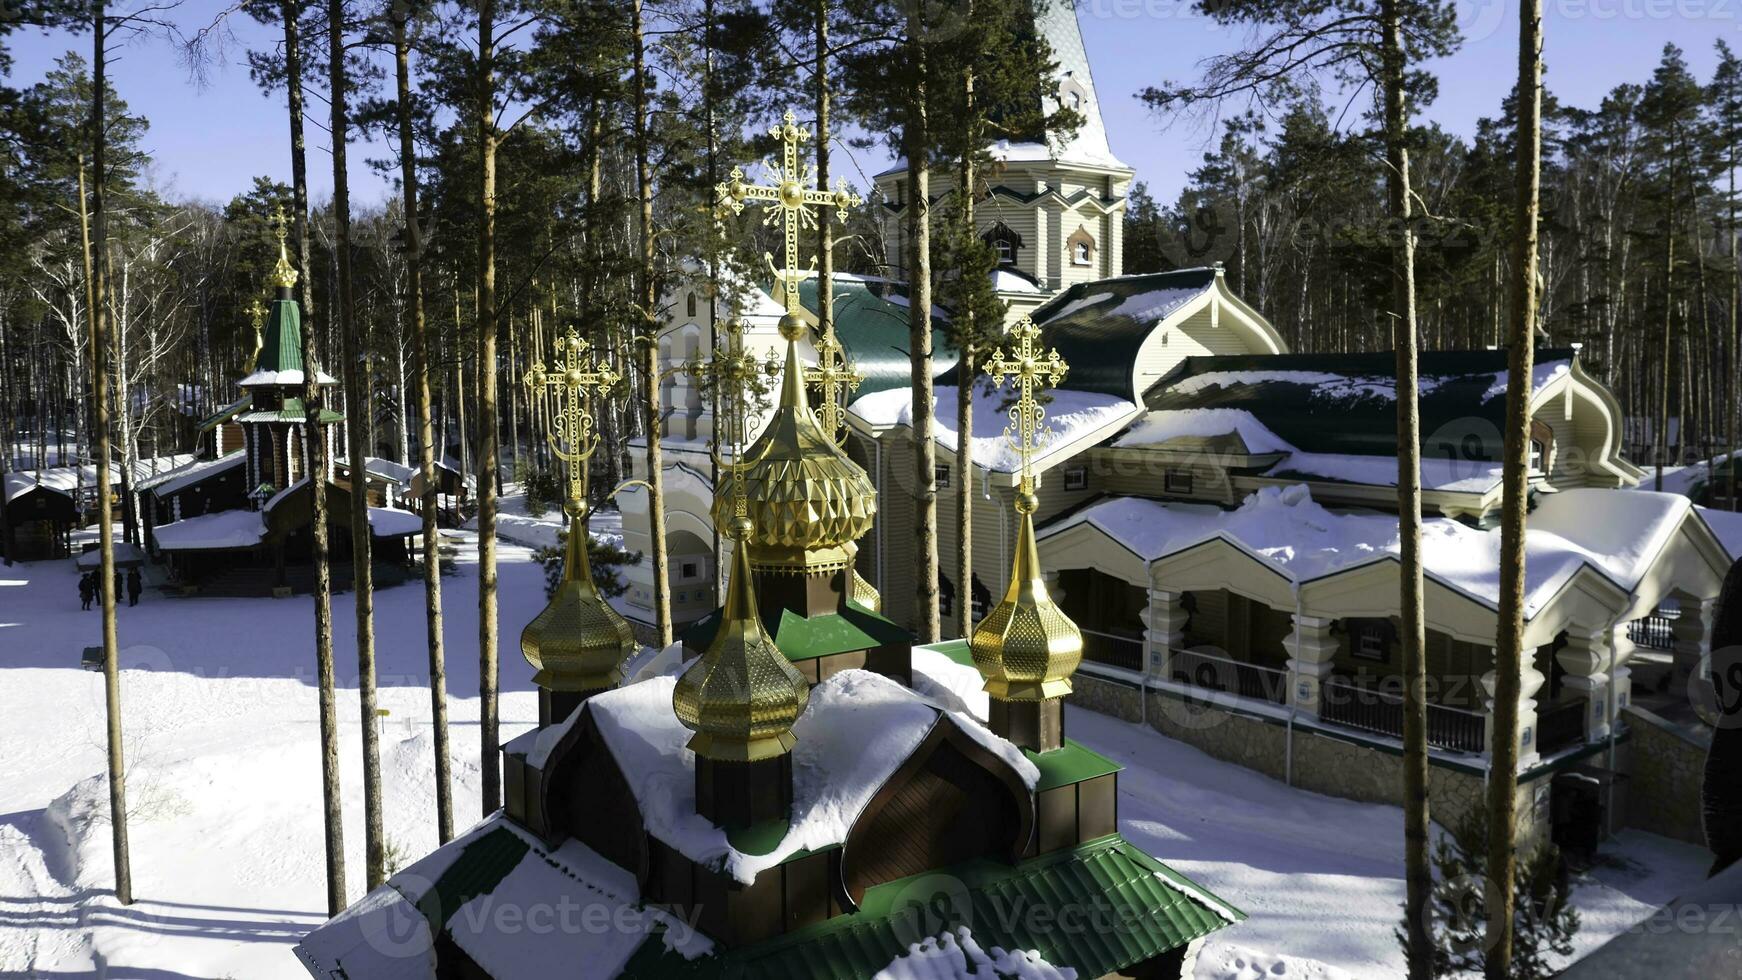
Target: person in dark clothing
<point x="87" y="590"/>
<point x="134" y="586"/>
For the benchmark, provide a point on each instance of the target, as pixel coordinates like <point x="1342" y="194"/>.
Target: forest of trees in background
<point x="1293" y="203"/>
<point x="1295" y="208"/>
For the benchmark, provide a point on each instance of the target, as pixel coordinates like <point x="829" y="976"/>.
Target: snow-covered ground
<point x="224" y="794"/>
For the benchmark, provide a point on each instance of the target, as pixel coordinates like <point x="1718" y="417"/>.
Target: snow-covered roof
<point x="1726" y="527"/>
<point x="1617" y="535"/>
<point x="387" y="935"/>
<point x="1164" y="426"/>
<point x="391" y="522"/>
<point x="1011" y="281"/>
<point x="65" y="480"/>
<point x="395" y="471"/>
<point x="833" y="776"/>
<point x="183" y="477"/>
<point x="293" y="376"/>
<point x="1069" y="417"/>
<point x="224" y="529"/>
<point x="955" y="955"/>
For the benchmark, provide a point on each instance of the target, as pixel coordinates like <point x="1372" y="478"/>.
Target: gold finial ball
<point x="741" y="528"/>
<point x="575" y="377"/>
<point x="791" y="327"/>
<point x="791" y="193"/>
<point x="1026" y="502"/>
<point x="577" y="508"/>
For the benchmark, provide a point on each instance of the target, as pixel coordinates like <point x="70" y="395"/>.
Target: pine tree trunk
<point x="1418" y="872"/>
<point x="1735" y="366"/>
<point x="647" y="300"/>
<point x="967" y="373"/>
<point x="1668" y="362"/>
<point x="98" y="277"/>
<point x="918" y="140"/>
<point x="1509" y="652"/>
<point x="315" y="449"/>
<point x="490" y="763"/>
<point x="357" y="431"/>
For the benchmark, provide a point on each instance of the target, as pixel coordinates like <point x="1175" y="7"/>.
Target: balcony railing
<point x="1223" y="674"/>
<point x="1654" y="632"/>
<point x="1373" y="710"/>
<point x="1112" y="650"/>
<point x="1560" y="726"/>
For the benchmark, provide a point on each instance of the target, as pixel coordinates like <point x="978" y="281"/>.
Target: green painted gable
<point x="1098" y="327"/>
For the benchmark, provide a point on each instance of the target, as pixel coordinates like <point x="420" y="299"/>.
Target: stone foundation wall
<point x="1322" y="763"/>
<point x="1666" y="763"/>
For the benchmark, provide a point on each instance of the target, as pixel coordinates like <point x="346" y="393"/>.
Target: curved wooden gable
<point x="953" y="800"/>
<point x="582" y="793"/>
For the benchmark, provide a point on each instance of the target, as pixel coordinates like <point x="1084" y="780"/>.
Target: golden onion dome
<point x="578" y="643"/>
<point x="807" y="501"/>
<point x="741" y="696"/>
<point x="1026" y="648"/>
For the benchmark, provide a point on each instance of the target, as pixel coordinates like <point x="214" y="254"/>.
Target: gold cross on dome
<point x="837" y="379"/>
<point x="795" y="201"/>
<point x="568" y="390"/>
<point x="1028" y="370"/>
<point x="734" y="372"/>
<point x="257" y="311"/>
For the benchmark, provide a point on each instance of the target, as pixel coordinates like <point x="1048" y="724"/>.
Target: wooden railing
<point x="1214" y="672"/>
<point x="1373" y="710"/>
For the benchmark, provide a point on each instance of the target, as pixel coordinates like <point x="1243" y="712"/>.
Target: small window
<point x="946" y="596"/>
<point x="1370" y="639"/>
<point x="1178" y="481"/>
<point x="1076" y="100"/>
<point x="941" y="476"/>
<point x="690" y="302"/>
<point x="1080" y="254"/>
<point x="689" y="571"/>
<point x="1537" y="450"/>
<point x="1077" y="478"/>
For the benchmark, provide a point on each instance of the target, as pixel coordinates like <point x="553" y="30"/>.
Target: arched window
<point x="1081" y="247"/>
<point x="1006" y="242"/>
<point x="690" y="305"/>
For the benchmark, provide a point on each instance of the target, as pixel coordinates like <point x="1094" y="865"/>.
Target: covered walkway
<point x="1282" y="601"/>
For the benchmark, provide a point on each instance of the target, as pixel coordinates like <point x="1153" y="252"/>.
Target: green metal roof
<point x="1463" y="406"/>
<point x="1096" y="908"/>
<point x="224" y="414"/>
<point x="282" y="350"/>
<point x="871" y="324"/>
<point x="1071" y="763"/>
<point x="1097" y="327"/>
<point x="806" y="638"/>
<point x="480" y="867"/>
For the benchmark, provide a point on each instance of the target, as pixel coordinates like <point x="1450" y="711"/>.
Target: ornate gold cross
<point x="735" y="372"/>
<point x="283" y="273"/>
<point x="837" y="379"/>
<point x="257" y="310"/>
<point x="568" y="390"/>
<point x="795" y="199"/>
<point x="1028" y="371"/>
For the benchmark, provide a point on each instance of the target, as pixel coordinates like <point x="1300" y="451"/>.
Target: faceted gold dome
<point x="807" y="501"/>
<point x="1026" y="648"/>
<point x="578" y="643"/>
<point x="742" y="696"/>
